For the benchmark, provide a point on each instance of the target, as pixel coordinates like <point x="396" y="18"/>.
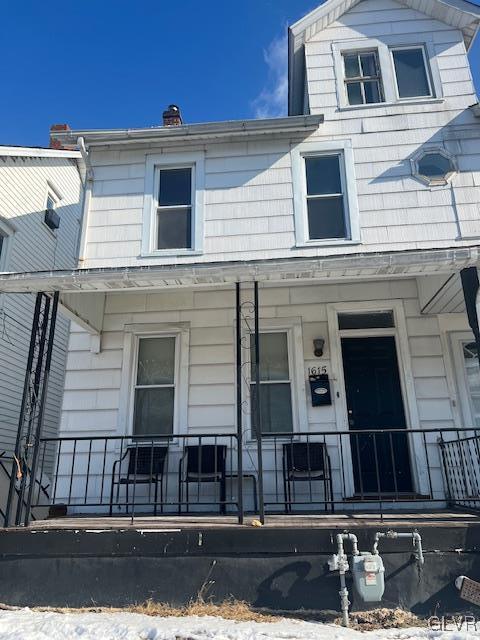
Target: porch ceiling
<point x="355" y="266"/>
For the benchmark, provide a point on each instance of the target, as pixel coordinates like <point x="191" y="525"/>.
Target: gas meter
<point x="368" y="576"/>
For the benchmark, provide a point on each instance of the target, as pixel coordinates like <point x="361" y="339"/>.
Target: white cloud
<point x="271" y="102"/>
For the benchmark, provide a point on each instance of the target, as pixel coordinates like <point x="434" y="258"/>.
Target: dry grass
<point x="240" y="611"/>
<point x="229" y="610"/>
<point x="383" y="619"/>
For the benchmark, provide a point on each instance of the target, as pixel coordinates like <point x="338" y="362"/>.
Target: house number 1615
<point x="317" y="371"/>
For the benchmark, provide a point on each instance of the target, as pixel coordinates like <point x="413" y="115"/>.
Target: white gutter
<point x="402" y="264"/>
<point x="203" y="131"/>
<point x="38" y="152"/>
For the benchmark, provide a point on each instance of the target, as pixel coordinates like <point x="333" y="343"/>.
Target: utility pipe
<point x="343" y="568"/>
<point x="393" y="535"/>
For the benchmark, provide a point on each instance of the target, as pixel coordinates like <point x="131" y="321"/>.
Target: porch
<point x="256" y="426"/>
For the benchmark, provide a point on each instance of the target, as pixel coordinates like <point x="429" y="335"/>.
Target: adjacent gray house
<point x="40" y="216"/>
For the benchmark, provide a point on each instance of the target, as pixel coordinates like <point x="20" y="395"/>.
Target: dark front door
<point x="381" y="462"/>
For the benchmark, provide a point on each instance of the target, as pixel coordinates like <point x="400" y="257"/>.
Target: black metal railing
<point x="461" y="462"/>
<point x="143" y="475"/>
<point x="306" y="472"/>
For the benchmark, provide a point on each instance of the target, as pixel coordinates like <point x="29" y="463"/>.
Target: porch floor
<point x="348" y="520"/>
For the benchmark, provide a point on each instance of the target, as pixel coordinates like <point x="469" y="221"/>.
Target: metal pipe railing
<point x="303" y="472"/>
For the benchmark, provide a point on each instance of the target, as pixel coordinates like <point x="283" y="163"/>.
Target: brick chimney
<point x="55" y="143"/>
<point x="172" y="116"/>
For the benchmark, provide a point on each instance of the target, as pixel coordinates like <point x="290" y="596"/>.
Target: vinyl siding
<point x="91" y="404"/>
<point x="249" y="210"/>
<point x="33" y="246"/>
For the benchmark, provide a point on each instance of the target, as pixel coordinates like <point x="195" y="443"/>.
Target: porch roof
<point x="328" y="268"/>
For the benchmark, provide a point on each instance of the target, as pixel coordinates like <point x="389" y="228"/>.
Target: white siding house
<point x="354" y="216"/>
<point x="32" y="180"/>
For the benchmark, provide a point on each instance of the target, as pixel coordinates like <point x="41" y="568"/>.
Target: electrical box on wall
<point x="320" y="390"/>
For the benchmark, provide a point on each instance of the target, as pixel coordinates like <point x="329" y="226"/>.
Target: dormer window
<point x="363" y="80"/>
<point x="411" y="72"/>
<point x="371" y="72"/>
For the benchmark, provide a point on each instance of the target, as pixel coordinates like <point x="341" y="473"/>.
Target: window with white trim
<point x="388" y="71"/>
<point x="174" y="204"/>
<point x="154" y="391"/>
<point x="325" y="197"/>
<point x="324" y="192"/>
<point x="411" y="72"/>
<point x="174" y="208"/>
<point x="363" y="78"/>
<point x="275" y="382"/>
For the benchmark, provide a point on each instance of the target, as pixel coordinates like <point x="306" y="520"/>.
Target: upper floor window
<point x="363" y="81"/>
<point x="325" y="198"/>
<point x="174" y="211"/>
<point x="411" y="72"/>
<point x="390" y="70"/>
<point x="173" y="204"/>
<point x="51" y="217"/>
<point x="6" y="230"/>
<point x="434" y="166"/>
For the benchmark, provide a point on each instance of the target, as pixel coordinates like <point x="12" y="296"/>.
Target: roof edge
<point x="289" y="124"/>
<point x="37" y="152"/>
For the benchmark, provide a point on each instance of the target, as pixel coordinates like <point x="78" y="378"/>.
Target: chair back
<point x="147" y="460"/>
<point x="304" y="457"/>
<point x="206" y="459"/>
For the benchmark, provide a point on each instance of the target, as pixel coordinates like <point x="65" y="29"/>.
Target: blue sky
<point x="118" y="63"/>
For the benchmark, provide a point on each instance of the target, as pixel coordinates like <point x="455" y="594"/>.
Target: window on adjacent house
<point x="470" y="358"/>
<point x="275" y="383"/>
<point x="154" y="387"/>
<point x="363" y="80"/>
<point x="411" y="72"/>
<point x="325" y="197"/>
<point x="174" y="210"/>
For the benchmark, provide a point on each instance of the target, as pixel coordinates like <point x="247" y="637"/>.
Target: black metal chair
<point x="202" y="463"/>
<point x="306" y="462"/>
<point x="146" y="465"/>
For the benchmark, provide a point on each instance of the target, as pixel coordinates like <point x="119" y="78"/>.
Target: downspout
<point x="87" y="196"/>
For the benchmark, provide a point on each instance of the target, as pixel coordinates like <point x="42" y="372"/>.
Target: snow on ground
<point x="30" y="625"/>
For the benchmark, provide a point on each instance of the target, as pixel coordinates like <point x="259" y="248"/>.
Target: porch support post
<point x="41" y="411"/>
<point x="23" y="408"/>
<point x="238" y="329"/>
<point x="470" y="285"/>
<point x="32" y="408"/>
<point x="258" y="412"/>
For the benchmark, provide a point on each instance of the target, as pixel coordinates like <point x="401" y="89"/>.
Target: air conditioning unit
<point x="52" y="219"/>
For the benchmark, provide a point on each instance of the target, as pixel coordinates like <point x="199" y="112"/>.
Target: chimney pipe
<point x="172" y="116"/>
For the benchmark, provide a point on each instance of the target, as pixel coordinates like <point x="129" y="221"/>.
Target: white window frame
<point x="154" y="164"/>
<point x="53" y="194"/>
<point x="342" y="148"/>
<point x="360" y="79"/>
<point x="293" y="328"/>
<point x="132" y="336"/>
<point x="6" y="231"/>
<point x="384" y="48"/>
<point x="406" y="47"/>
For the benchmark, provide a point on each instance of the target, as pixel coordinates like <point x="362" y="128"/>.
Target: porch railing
<point x="307" y="472"/>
